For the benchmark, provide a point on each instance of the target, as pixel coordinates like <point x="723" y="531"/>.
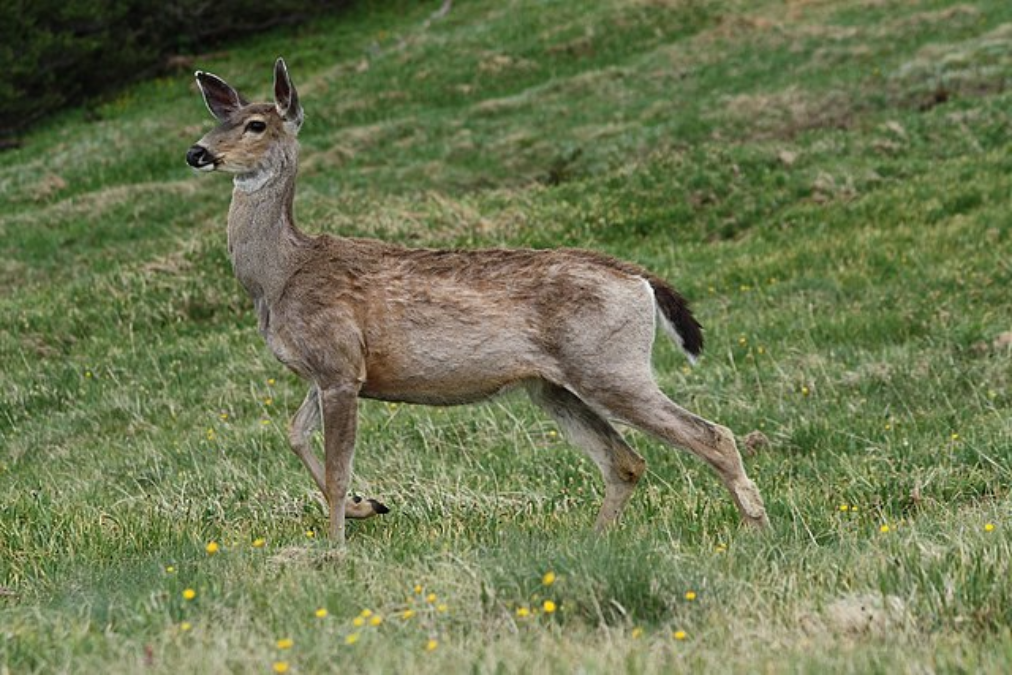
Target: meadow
<point x="827" y="181"/>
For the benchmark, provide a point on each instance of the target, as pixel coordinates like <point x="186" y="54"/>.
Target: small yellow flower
<point x="955" y="437"/>
<point x="270" y="382"/>
<point x="805" y="391"/>
<point x="189" y="594"/>
<point x="523" y="612"/>
<point x="185" y="626"/>
<point x="310" y="533"/>
<point x="358" y="622"/>
<point x="352" y="639"/>
<point x="211" y="548"/>
<point x="721" y="548"/>
<point x="884" y="529"/>
<point x="431" y="645"/>
<point x="853" y="508"/>
<point x="637" y="633"/>
<point x="268" y="401"/>
<point x="679" y="635"/>
<point x="418" y="589"/>
<point x="170" y="569"/>
<point x="690" y="595"/>
<point x="549" y="607"/>
<point x="265" y="422"/>
<point x="281" y="666"/>
<point x="442" y="607"/>
<point x="321" y="613"/>
<point x="407" y="614"/>
<point x="431" y="597"/>
<point x="548" y="579"/>
<point x="989" y="527"/>
<point x="376" y="620"/>
<point x="223" y="416"/>
<point x="286" y="643"/>
<point x="366" y="613"/>
<point x="259" y="542"/>
<point x="844" y="507"/>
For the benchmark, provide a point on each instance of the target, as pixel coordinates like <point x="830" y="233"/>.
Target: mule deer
<point x="360" y="318"/>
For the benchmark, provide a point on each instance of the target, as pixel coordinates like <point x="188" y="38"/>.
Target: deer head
<point x="252" y="140"/>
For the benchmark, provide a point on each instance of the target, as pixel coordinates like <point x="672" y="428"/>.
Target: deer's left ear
<point x="286" y="99"/>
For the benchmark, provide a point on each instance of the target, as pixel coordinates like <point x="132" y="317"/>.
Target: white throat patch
<point x="251" y="182"/>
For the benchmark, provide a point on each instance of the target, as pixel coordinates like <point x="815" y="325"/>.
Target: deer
<point x="362" y="318"/>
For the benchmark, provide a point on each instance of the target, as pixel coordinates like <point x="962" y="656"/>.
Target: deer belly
<point x="449" y="372"/>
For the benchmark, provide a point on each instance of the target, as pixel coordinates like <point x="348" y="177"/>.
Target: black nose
<point x="198" y="156"/>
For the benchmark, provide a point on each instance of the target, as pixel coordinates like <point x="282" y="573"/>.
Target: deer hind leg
<point x="653" y="412"/>
<point x="620" y="465"/>
<point x="300" y="433"/>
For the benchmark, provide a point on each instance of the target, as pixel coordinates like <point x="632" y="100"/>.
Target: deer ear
<point x="221" y="99"/>
<point x="286" y="99"/>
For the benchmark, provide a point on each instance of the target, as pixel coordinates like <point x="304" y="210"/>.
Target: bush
<point x="55" y="53"/>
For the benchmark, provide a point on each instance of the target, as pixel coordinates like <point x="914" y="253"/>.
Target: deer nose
<point x="198" y="157"/>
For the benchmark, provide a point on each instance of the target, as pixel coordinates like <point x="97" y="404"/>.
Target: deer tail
<point x="677" y="319"/>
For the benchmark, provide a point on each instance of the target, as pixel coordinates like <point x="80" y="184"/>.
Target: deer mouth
<point x="201" y="159"/>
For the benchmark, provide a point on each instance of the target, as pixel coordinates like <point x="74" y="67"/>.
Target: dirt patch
<point x="859" y="614"/>
<point x="785" y="114"/>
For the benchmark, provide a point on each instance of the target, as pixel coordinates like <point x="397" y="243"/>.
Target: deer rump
<point x="447" y="327"/>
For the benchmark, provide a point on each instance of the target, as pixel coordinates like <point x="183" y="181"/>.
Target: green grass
<point x="828" y="182"/>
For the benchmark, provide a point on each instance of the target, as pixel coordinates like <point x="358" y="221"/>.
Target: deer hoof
<point x="360" y="508"/>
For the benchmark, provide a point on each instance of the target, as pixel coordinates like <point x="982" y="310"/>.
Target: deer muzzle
<point x="199" y="158"/>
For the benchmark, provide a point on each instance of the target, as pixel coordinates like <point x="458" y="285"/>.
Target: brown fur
<point x="364" y="318"/>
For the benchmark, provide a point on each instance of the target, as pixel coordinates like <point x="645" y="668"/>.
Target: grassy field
<point x="827" y="181"/>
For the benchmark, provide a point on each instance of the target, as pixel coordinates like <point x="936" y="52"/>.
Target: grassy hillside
<point x="827" y="181"/>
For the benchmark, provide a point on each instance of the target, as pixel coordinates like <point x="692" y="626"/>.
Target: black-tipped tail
<point x="678" y="318"/>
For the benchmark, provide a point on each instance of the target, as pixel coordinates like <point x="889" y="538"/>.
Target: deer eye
<point x="256" y="126"/>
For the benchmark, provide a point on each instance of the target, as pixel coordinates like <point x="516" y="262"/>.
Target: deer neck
<point x="265" y="245"/>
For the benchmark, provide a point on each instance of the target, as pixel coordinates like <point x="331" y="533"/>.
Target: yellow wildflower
<point x="548" y="579"/>
<point x="189" y="594"/>
<point x="523" y="612"/>
<point x="185" y="626"/>
<point x="442" y="607"/>
<point x="376" y="620"/>
<point x="431" y="645"/>
<point x="884" y="529"/>
<point x="431" y="597"/>
<point x="637" y="633"/>
<point x="690" y="595"/>
<point x="352" y="639"/>
<point x="407" y="614"/>
<point x="281" y="666"/>
<point x="211" y="548"/>
<point x="549" y="606"/>
<point x="366" y="613"/>
<point x="989" y="527"/>
<point x="321" y="613"/>
<point x="358" y="622"/>
<point x="679" y="635"/>
<point x="259" y="542"/>
<point x="285" y="643"/>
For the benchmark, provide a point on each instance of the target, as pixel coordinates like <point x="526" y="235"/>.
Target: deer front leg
<point x="305" y="422"/>
<point x="340" y="412"/>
